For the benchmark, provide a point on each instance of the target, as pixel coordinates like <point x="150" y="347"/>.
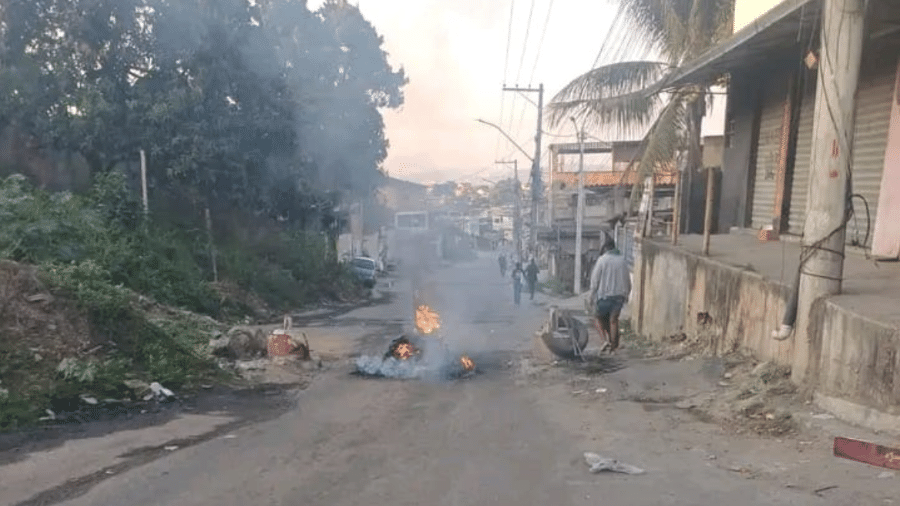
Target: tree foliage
<point x="634" y="95"/>
<point x="263" y="105"/>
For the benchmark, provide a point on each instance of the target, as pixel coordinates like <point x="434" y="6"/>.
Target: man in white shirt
<point x="610" y="288"/>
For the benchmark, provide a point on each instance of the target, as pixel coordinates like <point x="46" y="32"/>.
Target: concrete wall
<point x="675" y="286"/>
<point x="857" y="359"/>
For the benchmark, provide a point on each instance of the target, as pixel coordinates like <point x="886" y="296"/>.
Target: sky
<point x="455" y="54"/>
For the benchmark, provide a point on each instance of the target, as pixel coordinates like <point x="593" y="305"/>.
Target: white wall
<point x="745" y="11"/>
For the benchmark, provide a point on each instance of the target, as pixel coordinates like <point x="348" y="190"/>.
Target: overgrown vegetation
<point x="266" y="110"/>
<point x="118" y="269"/>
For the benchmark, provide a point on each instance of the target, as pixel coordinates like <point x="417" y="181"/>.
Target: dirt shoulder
<point x="674" y="412"/>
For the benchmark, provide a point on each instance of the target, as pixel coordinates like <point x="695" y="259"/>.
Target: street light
<point x="488" y="123"/>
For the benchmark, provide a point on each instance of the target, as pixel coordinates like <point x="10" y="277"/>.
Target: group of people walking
<point x="520" y="277"/>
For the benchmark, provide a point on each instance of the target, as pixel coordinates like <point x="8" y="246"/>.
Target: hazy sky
<point x="454" y="53"/>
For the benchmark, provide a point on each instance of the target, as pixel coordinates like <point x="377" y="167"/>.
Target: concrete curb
<point x="858" y="414"/>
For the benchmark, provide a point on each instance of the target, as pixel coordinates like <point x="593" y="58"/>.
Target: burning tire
<point x="403" y="349"/>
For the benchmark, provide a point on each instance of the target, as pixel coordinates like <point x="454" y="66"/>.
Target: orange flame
<point x="404" y="351"/>
<point x="427" y="320"/>
<point x="467" y="363"/>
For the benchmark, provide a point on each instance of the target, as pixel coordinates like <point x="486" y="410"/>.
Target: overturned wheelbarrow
<point x="564" y="335"/>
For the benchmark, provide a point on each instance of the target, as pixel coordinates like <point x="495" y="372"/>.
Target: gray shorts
<point x="609" y="305"/>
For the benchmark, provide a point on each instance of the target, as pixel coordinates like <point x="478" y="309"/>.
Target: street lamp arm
<point x="530" y="159"/>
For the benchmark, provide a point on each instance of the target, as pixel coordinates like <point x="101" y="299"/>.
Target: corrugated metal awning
<point x="782" y="27"/>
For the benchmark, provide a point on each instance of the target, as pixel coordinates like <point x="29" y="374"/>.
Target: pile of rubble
<point x="252" y="354"/>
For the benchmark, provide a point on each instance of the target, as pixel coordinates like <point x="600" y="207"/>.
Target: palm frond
<point x="626" y="112"/>
<point x="711" y="21"/>
<point x="665" y="138"/>
<point x="659" y="146"/>
<point x="663" y="24"/>
<point x="614" y="79"/>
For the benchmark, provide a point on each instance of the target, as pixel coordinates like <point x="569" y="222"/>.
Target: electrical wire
<point x="541" y="42"/>
<point x="512" y="7"/>
<point x="519" y="71"/>
<point x="525" y="42"/>
<point x="606" y="39"/>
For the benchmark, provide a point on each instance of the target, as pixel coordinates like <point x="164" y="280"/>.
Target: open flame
<point x="467" y="363"/>
<point x="427" y="320"/>
<point x="404" y="351"/>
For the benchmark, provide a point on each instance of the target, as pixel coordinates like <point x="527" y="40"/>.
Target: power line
<point x="512" y="7"/>
<point x="612" y="26"/>
<point x="519" y="71"/>
<point x="541" y="42"/>
<point x="525" y="43"/>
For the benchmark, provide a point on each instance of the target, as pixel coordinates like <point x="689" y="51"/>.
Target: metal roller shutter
<point x="873" y="118"/>
<point x="800" y="183"/>
<point x="767" y="150"/>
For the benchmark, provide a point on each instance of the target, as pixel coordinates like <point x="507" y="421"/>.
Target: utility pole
<point x="517" y="213"/>
<point x="535" y="164"/>
<point x="144" y="183"/>
<point x="707" y="219"/>
<point x="579" y="212"/>
<point x="822" y="252"/>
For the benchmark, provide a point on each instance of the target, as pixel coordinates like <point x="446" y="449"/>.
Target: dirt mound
<point x="756" y="397"/>
<point x="37" y="330"/>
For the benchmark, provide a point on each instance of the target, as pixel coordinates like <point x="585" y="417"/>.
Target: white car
<point x="365" y="269"/>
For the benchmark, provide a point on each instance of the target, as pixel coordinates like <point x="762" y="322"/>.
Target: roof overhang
<point x="781" y="28"/>
<point x="778" y="35"/>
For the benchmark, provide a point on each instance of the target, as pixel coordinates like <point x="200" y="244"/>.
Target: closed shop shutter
<point x="873" y="112"/>
<point x="767" y="151"/>
<point x="800" y="183"/>
<point x="873" y="118"/>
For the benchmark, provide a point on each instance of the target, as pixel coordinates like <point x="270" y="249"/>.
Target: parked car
<point x="365" y="270"/>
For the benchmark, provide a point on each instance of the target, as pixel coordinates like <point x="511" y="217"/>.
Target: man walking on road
<point x="518" y="276"/>
<point x="610" y="287"/>
<point x="502" y="262"/>
<point x="531" y="275"/>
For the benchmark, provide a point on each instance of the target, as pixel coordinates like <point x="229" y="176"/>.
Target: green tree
<point x="262" y="105"/>
<point x="637" y="94"/>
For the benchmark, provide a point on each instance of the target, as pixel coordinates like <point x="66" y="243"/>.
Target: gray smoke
<point x="390" y="367"/>
<point x="436" y="362"/>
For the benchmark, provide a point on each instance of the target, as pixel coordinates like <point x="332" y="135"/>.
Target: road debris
<point x="886" y="474"/>
<point x="819" y="491"/>
<point x="171" y="448"/>
<point x="599" y="464"/>
<point x="160" y="391"/>
<point x="89" y="400"/>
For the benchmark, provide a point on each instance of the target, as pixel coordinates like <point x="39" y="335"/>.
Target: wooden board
<point x="869" y="453"/>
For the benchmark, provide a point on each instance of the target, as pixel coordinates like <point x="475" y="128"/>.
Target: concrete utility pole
<point x="517" y="213"/>
<point x="822" y="257"/>
<point x="579" y="212"/>
<point x="535" y="164"/>
<point x="144" y="182"/>
<point x="707" y="219"/>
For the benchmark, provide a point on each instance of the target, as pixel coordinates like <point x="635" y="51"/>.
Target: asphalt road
<point x="496" y="438"/>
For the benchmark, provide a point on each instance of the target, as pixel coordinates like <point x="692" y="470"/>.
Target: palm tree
<point x="631" y="95"/>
